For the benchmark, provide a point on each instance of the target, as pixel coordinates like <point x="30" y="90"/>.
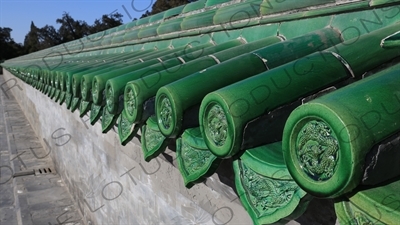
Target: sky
<point x="18" y="15"/>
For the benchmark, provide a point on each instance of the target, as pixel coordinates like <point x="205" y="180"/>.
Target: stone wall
<point x="111" y="183"/>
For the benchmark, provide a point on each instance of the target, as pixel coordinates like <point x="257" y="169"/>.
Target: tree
<point x="31" y="42"/>
<point x="9" y="49"/>
<point x="71" y="29"/>
<point x="41" y="38"/>
<point x="48" y="37"/>
<point x="106" y="22"/>
<point x="162" y="5"/>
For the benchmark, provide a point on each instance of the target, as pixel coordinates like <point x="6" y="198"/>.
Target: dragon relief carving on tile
<point x="217" y="125"/>
<point x="317" y="150"/>
<point x="264" y="194"/>
<point x="194" y="159"/>
<point x="153" y="138"/>
<point x="126" y="126"/>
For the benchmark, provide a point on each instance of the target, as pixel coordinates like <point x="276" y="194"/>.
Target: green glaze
<point x="157" y="17"/>
<point x="217" y="125"/>
<point x="142" y="21"/>
<point x="256" y="33"/>
<point x="371" y="205"/>
<point x="240" y="11"/>
<point x="195" y="162"/>
<point x="287" y="30"/>
<point x="76" y="102"/>
<point x="354" y="54"/>
<point x="76" y="78"/>
<point x="153" y="141"/>
<point x="95" y="113"/>
<point x="115" y="86"/>
<point x="108" y="121"/>
<point x="99" y="81"/>
<point x="356" y="24"/>
<point x="188" y="92"/>
<point x="68" y="100"/>
<point x="148" y="31"/>
<point x="84" y="108"/>
<point x="382" y="2"/>
<point x="210" y="3"/>
<point x="225" y="113"/>
<point x="139" y="91"/>
<point x="271" y="7"/>
<point x="52" y="92"/>
<point x="325" y="141"/>
<point x="283" y="85"/>
<point x="72" y="77"/>
<point x="265" y="187"/>
<point x="131" y="35"/>
<point x="318" y="150"/>
<point x="392" y="41"/>
<point x="62" y="97"/>
<point x="203" y="19"/>
<point x="194" y="6"/>
<point x="170" y="26"/>
<point x="126" y="129"/>
<point x="317" y="13"/>
<point x="173" y="12"/>
<point x="141" y="59"/>
<point x="57" y="95"/>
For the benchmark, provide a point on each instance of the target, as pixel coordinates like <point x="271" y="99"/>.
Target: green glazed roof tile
<point x="157" y="17"/>
<point x="355" y="24"/>
<point x="163" y="44"/>
<point x="153" y="142"/>
<point x="126" y="129"/>
<point x="170" y="26"/>
<point x="243" y="23"/>
<point x="170" y="36"/>
<point x="241" y="11"/>
<point x="194" y="6"/>
<point x="346" y="145"/>
<point x="122" y="27"/>
<point x="143" y="21"/>
<point x="392" y="41"/>
<point x="173" y="12"/>
<point x="224" y="36"/>
<point x="265" y="187"/>
<point x="258" y="32"/>
<point x="148" y="31"/>
<point x="371" y="205"/>
<point x="95" y="113"/>
<point x="84" y="108"/>
<point x="198" y="20"/>
<point x="108" y="120"/>
<point x="117" y="40"/>
<point x="382" y="2"/>
<point x="215" y="2"/>
<point x="195" y="162"/>
<point x="149" y="45"/>
<point x="131" y="24"/>
<point x="131" y="35"/>
<point x="270" y="7"/>
<point x="291" y="29"/>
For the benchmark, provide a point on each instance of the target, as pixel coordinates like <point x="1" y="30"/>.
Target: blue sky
<point x="18" y="15"/>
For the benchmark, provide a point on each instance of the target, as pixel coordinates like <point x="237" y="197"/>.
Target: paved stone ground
<point x="31" y="192"/>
